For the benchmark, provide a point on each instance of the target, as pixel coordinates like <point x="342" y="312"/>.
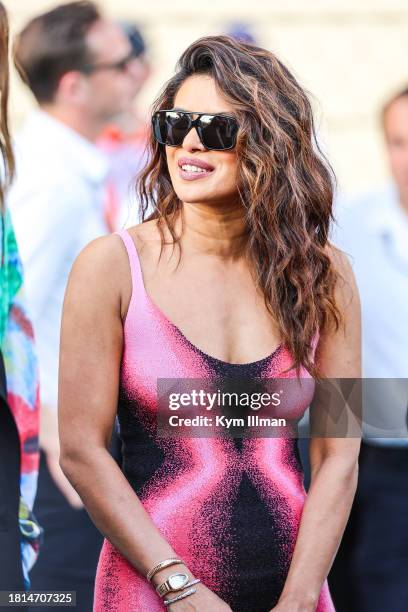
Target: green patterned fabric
<point x="10" y="271"/>
<point x="23" y="397"/>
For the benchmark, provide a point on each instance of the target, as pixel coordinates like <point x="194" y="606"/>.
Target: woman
<point x="20" y="534"/>
<point x="237" y="184"/>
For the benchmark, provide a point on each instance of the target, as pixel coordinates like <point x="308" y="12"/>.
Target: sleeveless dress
<point x="230" y="510"/>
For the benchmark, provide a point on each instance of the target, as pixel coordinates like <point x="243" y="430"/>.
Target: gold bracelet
<point x="162" y="565"/>
<point x="181" y="596"/>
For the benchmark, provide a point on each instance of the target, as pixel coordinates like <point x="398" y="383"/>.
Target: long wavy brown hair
<point x="285" y="185"/>
<point x="5" y="140"/>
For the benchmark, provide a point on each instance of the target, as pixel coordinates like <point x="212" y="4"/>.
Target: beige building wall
<point x="350" y="55"/>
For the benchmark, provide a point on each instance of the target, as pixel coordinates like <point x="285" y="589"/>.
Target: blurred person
<point x="242" y="32"/>
<point x="370" y="572"/>
<point x="138" y="44"/>
<point x="124" y="142"/>
<point x="242" y="196"/>
<point x="82" y="72"/>
<point x="20" y="533"/>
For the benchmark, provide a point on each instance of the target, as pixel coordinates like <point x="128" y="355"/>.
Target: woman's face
<point x="218" y="184"/>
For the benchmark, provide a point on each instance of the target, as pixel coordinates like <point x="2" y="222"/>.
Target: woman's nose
<point x="192" y="141"/>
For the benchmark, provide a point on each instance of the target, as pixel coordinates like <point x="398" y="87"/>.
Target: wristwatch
<point x="175" y="582"/>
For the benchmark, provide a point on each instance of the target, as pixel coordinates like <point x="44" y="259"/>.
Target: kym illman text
<point x="252" y="420"/>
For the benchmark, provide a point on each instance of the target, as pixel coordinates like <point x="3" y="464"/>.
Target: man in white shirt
<point x="82" y="70"/>
<point x="370" y="571"/>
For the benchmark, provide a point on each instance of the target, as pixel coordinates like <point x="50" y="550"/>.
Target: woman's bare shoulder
<point x="101" y="272"/>
<point x="102" y="269"/>
<point x="102" y="255"/>
<point x="145" y="234"/>
<point x="346" y="292"/>
<point x="342" y="265"/>
<point x="339" y="258"/>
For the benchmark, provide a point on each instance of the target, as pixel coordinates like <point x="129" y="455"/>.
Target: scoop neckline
<point x="203" y="353"/>
<point x="168" y="321"/>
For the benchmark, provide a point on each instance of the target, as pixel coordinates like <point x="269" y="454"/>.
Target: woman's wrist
<point x="157" y="560"/>
<point x="162" y="575"/>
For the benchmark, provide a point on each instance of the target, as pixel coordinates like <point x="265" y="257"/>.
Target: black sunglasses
<point x="120" y="65"/>
<point x="216" y="132"/>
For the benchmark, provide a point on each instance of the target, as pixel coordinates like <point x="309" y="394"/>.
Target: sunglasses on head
<point x="216" y="132"/>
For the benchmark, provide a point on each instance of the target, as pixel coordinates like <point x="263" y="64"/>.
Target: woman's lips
<point x="193" y="176"/>
<point x="194" y="169"/>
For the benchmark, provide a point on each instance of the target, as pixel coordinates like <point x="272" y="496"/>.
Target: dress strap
<point x="138" y="288"/>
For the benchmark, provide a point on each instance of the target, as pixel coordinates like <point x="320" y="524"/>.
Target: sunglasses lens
<point x="170" y="127"/>
<point x="218" y="132"/>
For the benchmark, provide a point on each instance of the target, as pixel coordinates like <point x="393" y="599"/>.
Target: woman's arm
<point x="334" y="463"/>
<point x="90" y="358"/>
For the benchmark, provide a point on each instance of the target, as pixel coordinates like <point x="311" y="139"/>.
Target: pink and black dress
<point x="230" y="508"/>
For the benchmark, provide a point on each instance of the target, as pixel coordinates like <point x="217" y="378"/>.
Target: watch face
<point x="177" y="581"/>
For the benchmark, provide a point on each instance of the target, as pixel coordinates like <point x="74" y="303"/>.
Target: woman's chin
<point x="190" y="195"/>
<point x="193" y="193"/>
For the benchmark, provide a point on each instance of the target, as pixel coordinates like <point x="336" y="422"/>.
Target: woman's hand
<point x="202" y="600"/>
